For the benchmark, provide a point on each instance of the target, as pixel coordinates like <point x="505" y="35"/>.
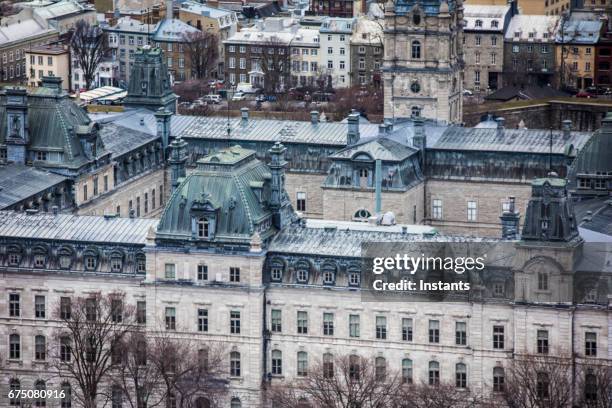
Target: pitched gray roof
<point x="379" y="148"/>
<point x="64" y="227"/>
<point x="117" y="141"/>
<point x="18" y="182"/>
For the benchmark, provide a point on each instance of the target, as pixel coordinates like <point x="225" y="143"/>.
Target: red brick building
<point x="603" y="60"/>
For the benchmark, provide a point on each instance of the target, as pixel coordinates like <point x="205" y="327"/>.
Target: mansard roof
<point x="117" y="141"/>
<point x="19" y="182"/>
<point x="234" y="186"/>
<point x="594" y="156"/>
<point x="80" y="228"/>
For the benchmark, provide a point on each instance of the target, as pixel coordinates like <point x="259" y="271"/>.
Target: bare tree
<point x="89" y="46"/>
<point x="275" y="62"/>
<point x="594" y="385"/>
<point x="436" y="396"/>
<point x="202" y="49"/>
<point x="535" y="381"/>
<point x="341" y="382"/>
<point x="189" y="370"/>
<point x="92" y="328"/>
<point x="135" y="375"/>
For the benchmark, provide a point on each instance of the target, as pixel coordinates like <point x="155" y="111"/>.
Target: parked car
<point x="213" y="98"/>
<point x="467" y="92"/>
<point x="585" y="94"/>
<point x="239" y="96"/>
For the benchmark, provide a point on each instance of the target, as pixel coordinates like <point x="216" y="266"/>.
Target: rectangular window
<point x="146" y="203"/>
<point x="276" y="321"/>
<point x="407" y="329"/>
<point x="301" y="201"/>
<point x="39" y="307"/>
<point x="302" y="322"/>
<point x="170" y="271"/>
<point x="498" y="337"/>
<point x="141" y="312"/>
<point x="65" y="308"/>
<point x="381" y="327"/>
<point x="235" y="322"/>
<point x="137" y="206"/>
<point x="471" y="211"/>
<point x="461" y="333"/>
<point x="354" y="325"/>
<point x="590" y="344"/>
<point x="95" y="185"/>
<point x="202" y="272"/>
<point x="105" y="183"/>
<point x="328" y="324"/>
<point x="85" y="192"/>
<point x="434" y="331"/>
<point x="437" y="209"/>
<point x="170" y="318"/>
<point x="153" y="199"/>
<point x="542" y="342"/>
<point x="234" y="274"/>
<point x="14" y="305"/>
<point x="202" y="320"/>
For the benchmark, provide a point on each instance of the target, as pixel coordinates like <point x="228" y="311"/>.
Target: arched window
<point x="235" y="370"/>
<point x="40" y="385"/>
<point x="380" y="368"/>
<point x="478" y="23"/>
<point x="14" y="347"/>
<point x="460" y="375"/>
<point x="14" y="385"/>
<point x="236" y="403"/>
<point x="40" y="348"/>
<point x="328" y="365"/>
<point x="65" y="258"/>
<point x="116" y="262"/>
<point x="416" y="112"/>
<point x="499" y="379"/>
<point x="90" y="261"/>
<point x="434" y="373"/>
<point x="276" y="270"/>
<point x="362" y="214"/>
<point x="302" y="269"/>
<point x="141" y="263"/>
<point x="590" y="387"/>
<point x="116" y="396"/>
<point x="302" y="364"/>
<point x="416" y="50"/>
<point x="407" y="371"/>
<point x="329" y="274"/>
<point x="203" y="227"/>
<point x="67" y="398"/>
<point x="494" y="24"/>
<point x="277" y="362"/>
<point x="363" y="173"/>
<point x="202" y="402"/>
<point x="65" y="349"/>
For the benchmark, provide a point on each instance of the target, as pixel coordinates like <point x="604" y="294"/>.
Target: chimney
<point x="419" y="139"/>
<point x="500" y="127"/>
<point x="244" y="115"/>
<point x="382" y="129"/>
<point x="169" y="10"/>
<point x="178" y="160"/>
<point x="353" y="127"/>
<point x="277" y="184"/>
<point x="163" y="118"/>
<point x="314" y="117"/>
<point x="510" y="221"/>
<point x="52" y="82"/>
<point x="567" y="129"/>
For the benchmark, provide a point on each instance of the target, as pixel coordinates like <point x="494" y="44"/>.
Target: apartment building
<point x="336" y="33"/>
<point x="367" y="52"/>
<point x="48" y="60"/>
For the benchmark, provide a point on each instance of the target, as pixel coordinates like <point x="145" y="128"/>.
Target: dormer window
<point x="494" y="24"/>
<point x="116" y="264"/>
<point x="328" y="276"/>
<point x="14" y="258"/>
<point x="302" y="276"/>
<point x="203" y="227"/>
<point x="90" y="262"/>
<point x="39" y="261"/>
<point x="478" y="23"/>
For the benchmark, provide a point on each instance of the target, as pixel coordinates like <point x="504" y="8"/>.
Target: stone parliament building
<point x="144" y="200"/>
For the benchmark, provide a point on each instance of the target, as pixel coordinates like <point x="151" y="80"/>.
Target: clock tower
<point x="423" y="59"/>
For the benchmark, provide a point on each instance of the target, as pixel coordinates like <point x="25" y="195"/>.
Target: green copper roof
<point x="234" y="187"/>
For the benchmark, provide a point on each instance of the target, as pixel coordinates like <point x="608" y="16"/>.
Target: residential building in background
<point x="222" y="23"/>
<point x="423" y="75"/>
<point x="124" y="38"/>
<point x="64" y="14"/>
<point x="336" y="33"/>
<point x="524" y="6"/>
<point x="338" y="8"/>
<point x="483" y="45"/>
<point x="170" y="35"/>
<point x="48" y="60"/>
<point x="17" y="35"/>
<point x="529" y="50"/>
<point x="105" y="75"/>
<point x="576" y="39"/>
<point x="603" y="60"/>
<point x="367" y="52"/>
<point x="305" y="52"/>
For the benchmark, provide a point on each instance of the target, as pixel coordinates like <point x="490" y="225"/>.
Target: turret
<point x="164" y="119"/>
<point x="17" y="135"/>
<point x="178" y="161"/>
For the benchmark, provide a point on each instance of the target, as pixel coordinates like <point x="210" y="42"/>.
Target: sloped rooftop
<point x="18" y="182"/>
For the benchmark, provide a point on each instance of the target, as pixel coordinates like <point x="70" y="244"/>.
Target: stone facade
<point x="422" y="65"/>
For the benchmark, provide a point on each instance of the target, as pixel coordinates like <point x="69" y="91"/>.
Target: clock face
<point x="415" y="87"/>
